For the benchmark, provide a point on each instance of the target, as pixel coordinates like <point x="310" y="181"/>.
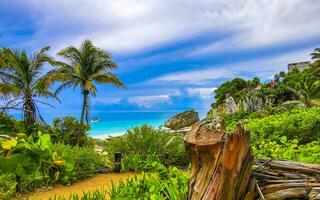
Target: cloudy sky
<point x="171" y="53"/>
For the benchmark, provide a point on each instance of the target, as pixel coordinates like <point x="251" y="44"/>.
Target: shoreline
<point x="106" y="135"/>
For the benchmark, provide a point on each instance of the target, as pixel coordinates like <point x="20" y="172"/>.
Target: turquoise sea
<point x="117" y="122"/>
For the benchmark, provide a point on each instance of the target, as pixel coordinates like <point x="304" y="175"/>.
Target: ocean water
<point x="116" y="123"/>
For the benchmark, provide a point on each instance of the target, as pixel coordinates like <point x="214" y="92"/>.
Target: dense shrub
<point x="164" y="183"/>
<point x="145" y="140"/>
<point x="288" y="150"/>
<point x="7" y="186"/>
<point x="302" y="124"/>
<point x="9" y="126"/>
<point x="86" y="161"/>
<point x="67" y="130"/>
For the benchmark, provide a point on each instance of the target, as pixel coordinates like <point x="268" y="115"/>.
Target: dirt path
<point x="99" y="181"/>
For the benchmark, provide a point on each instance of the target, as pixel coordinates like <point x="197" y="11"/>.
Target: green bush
<point x="7" y="186"/>
<point x="302" y="124"/>
<point x="33" y="161"/>
<point x="67" y="130"/>
<point x="147" y="141"/>
<point x="9" y="126"/>
<point x="164" y="183"/>
<point x="288" y="150"/>
<point x="86" y="161"/>
<point x="137" y="163"/>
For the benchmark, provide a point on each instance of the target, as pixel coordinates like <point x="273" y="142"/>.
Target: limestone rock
<point x="182" y="120"/>
<point x="231" y="105"/>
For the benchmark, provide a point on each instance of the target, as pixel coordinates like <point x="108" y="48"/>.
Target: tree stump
<point x="221" y="163"/>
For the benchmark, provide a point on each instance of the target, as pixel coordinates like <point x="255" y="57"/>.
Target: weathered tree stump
<point x="221" y="163"/>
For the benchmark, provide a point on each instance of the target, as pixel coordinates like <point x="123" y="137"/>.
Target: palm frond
<point x="90" y="87"/>
<point x="108" y="78"/>
<point x="64" y="85"/>
<point x="8" y="91"/>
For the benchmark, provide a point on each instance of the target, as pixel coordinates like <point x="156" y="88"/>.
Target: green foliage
<point x="86" y="161"/>
<point x="288" y="150"/>
<point x="164" y="183"/>
<point x="33" y="161"/>
<point x="302" y="124"/>
<point x="304" y="85"/>
<point x="138" y="163"/>
<point x="295" y="85"/>
<point x="99" y="194"/>
<point x="280" y="133"/>
<point x="9" y="126"/>
<point x="235" y="88"/>
<point x="7" y="186"/>
<point x="67" y="129"/>
<point x="147" y="141"/>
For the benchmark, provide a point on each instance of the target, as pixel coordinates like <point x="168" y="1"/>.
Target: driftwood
<point x="280" y="179"/>
<point x="223" y="168"/>
<point x="219" y="168"/>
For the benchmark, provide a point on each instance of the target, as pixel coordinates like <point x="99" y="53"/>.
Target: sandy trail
<point x="90" y="184"/>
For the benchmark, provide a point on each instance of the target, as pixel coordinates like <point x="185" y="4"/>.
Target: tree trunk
<point x="222" y="168"/>
<point x="29" y="111"/>
<point x="221" y="163"/>
<point x="85" y="96"/>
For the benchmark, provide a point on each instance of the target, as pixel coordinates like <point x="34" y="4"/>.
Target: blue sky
<point x="171" y="54"/>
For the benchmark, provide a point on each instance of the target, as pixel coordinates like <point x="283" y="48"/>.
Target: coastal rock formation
<point x="182" y="120"/>
<point x="231" y="105"/>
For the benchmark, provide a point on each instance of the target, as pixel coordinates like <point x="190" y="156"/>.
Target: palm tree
<point x="88" y="66"/>
<point x="22" y="81"/>
<point x="316" y="54"/>
<point x="306" y="90"/>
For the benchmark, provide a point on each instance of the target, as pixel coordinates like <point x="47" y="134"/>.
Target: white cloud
<point x="125" y="26"/>
<point x="149" y="101"/>
<point x="107" y="100"/>
<point x="194" y="76"/>
<point x="203" y="93"/>
<point x="262" y="67"/>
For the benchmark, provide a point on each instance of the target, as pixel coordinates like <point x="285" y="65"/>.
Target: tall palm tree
<point x="316" y="54"/>
<point x="86" y="67"/>
<point x="22" y="82"/>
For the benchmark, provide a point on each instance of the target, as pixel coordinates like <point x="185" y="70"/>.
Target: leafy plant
<point x="164" y="183"/>
<point x="7" y="186"/>
<point x="141" y="142"/>
<point x="86" y="161"/>
<point x="302" y="124"/>
<point x="289" y="150"/>
<point x="33" y="161"/>
<point x="99" y="194"/>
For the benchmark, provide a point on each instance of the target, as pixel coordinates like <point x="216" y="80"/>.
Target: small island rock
<point x="181" y="120"/>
